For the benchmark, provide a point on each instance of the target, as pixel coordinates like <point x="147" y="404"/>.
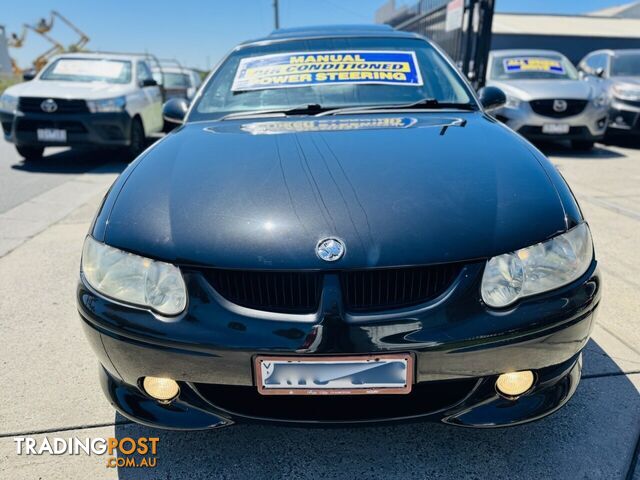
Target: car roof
<point x="613" y="52"/>
<point x="622" y="51"/>
<point x="331" y="31"/>
<point x="524" y="51"/>
<point x="102" y="56"/>
<point x="171" y="69"/>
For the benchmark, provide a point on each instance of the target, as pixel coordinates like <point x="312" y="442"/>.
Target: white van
<point x="84" y="99"/>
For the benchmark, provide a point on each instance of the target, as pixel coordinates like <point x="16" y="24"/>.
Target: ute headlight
<point x="133" y="279"/>
<point x="8" y="103"/>
<point x="540" y="268"/>
<point x="105" y="105"/>
<point x="627" y="92"/>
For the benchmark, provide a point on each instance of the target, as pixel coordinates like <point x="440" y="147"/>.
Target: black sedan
<point x="338" y="233"/>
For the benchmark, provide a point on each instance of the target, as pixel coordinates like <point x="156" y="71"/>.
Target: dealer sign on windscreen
<point x="301" y="69"/>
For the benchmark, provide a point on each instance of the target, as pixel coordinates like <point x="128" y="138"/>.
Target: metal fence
<point x="461" y="27"/>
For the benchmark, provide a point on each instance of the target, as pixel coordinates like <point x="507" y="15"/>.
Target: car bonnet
<point x="397" y="189"/>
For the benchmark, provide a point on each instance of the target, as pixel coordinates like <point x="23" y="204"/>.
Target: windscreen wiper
<point x="424" y="104"/>
<point x="306" y="109"/>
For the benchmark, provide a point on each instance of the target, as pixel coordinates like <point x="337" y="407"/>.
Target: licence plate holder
<point x="51" y="135"/>
<point x="334" y="375"/>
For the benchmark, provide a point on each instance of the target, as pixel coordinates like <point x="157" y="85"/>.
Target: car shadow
<point x="80" y="160"/>
<point x="625" y="141"/>
<point x="591" y="437"/>
<point x="74" y="162"/>
<point x="561" y="149"/>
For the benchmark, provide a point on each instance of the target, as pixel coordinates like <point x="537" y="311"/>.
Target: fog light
<point x="515" y="383"/>
<point x="163" y="389"/>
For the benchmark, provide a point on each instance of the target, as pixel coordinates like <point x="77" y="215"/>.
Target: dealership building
<point x="573" y="35"/>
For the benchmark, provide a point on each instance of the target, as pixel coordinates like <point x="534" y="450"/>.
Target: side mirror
<point x="148" y="82"/>
<point x="28" y="75"/>
<point x="175" y="109"/>
<point x="492" y="98"/>
<point x="599" y="72"/>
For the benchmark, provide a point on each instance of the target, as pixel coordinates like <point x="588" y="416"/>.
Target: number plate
<point x="555" y="128"/>
<point x="51" y="135"/>
<point x="369" y="374"/>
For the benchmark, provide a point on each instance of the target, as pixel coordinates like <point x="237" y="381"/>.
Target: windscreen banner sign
<point x="327" y="125"/>
<point x="89" y="68"/>
<point x="533" y="64"/>
<point x="302" y="69"/>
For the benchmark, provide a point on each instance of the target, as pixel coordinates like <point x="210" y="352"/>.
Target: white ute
<point x="84" y="99"/>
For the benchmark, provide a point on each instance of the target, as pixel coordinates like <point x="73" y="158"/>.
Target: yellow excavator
<point x="42" y="28"/>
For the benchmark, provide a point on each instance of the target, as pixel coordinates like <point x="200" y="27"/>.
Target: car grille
<point x="545" y="108"/>
<point x="384" y="289"/>
<point x="362" y="290"/>
<point x="633" y="103"/>
<point x="286" y="292"/>
<point x="28" y="125"/>
<point x="32" y="105"/>
<point x="425" y="398"/>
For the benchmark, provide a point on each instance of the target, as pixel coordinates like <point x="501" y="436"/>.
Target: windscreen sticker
<point x="328" y="125"/>
<point x="301" y="69"/>
<point x="533" y="64"/>
<point x="90" y="68"/>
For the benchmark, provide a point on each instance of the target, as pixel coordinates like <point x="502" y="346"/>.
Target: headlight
<point x="627" y="92"/>
<point x="601" y="100"/>
<point x="8" y="103"/>
<point x="512" y="102"/>
<point x="133" y="279"/>
<point x="116" y="104"/>
<point x="540" y="268"/>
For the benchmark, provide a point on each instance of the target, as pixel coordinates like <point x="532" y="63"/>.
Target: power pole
<point x="276" y="13"/>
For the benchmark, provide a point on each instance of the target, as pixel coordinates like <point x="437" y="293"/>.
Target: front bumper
<point x="588" y="125"/>
<point x="459" y="346"/>
<point x="83" y="129"/>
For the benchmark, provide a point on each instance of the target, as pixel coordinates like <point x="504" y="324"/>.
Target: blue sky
<point x="199" y="33"/>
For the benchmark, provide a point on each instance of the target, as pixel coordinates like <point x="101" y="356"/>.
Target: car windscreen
<point x="333" y="73"/>
<point x="532" y="67"/>
<point x="88" y="70"/>
<point x="175" y="80"/>
<point x="626" y="64"/>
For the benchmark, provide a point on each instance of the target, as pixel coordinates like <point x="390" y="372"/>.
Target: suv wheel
<point x="138" y="142"/>
<point x="29" y="152"/>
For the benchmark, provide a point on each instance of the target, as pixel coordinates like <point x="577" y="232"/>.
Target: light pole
<point x="276" y="14"/>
